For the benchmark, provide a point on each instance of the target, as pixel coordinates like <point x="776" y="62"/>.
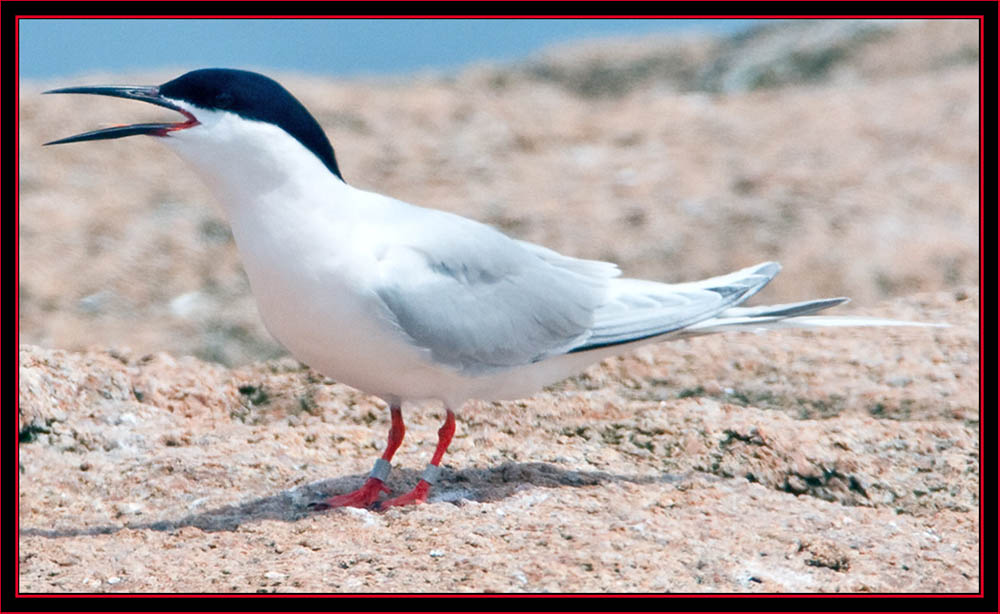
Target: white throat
<point x="251" y="164"/>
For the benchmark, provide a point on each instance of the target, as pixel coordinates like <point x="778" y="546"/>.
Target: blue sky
<point x="339" y="47"/>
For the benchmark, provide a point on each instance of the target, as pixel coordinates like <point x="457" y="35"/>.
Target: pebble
<point x="129" y="508"/>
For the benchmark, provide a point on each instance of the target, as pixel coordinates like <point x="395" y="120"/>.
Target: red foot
<point x="417" y="495"/>
<point x="362" y="497"/>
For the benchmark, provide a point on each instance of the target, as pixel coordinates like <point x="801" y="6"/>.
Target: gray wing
<point x="481" y="302"/>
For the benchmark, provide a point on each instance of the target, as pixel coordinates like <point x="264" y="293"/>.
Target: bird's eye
<point x="223" y="100"/>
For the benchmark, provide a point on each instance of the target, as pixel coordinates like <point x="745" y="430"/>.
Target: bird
<point x="414" y="304"/>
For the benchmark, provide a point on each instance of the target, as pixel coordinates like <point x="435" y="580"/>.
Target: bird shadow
<point x="456" y="487"/>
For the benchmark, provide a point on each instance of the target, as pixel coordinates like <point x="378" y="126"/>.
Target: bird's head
<point x="230" y="117"/>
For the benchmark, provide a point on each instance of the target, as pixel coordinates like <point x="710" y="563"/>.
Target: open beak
<point x="145" y="93"/>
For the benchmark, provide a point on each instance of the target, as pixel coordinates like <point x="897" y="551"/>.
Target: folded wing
<point x="481" y="302"/>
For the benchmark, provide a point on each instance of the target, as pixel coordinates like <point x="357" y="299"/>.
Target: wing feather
<point x="482" y="302"/>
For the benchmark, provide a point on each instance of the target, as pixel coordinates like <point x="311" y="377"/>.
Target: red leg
<point x="368" y="493"/>
<point x="419" y="492"/>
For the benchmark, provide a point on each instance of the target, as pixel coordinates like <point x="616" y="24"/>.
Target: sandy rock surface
<point x="833" y="461"/>
<point x="163" y="431"/>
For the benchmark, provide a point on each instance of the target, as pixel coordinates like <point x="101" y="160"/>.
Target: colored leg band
<point x="431" y="474"/>
<point x="381" y="469"/>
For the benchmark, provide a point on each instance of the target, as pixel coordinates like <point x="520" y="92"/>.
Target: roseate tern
<point x="408" y="303"/>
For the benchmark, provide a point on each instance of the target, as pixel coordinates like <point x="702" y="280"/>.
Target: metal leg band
<point x="431" y="474"/>
<point x="381" y="469"/>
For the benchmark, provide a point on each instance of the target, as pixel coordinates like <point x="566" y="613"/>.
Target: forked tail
<point x="639" y="310"/>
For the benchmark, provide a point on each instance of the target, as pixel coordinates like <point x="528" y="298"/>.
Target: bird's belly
<point x="324" y="321"/>
<point x="338" y="335"/>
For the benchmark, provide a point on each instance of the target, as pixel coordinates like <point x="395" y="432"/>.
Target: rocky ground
<point x="163" y="431"/>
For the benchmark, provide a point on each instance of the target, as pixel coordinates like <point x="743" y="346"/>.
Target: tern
<point x="408" y="303"/>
